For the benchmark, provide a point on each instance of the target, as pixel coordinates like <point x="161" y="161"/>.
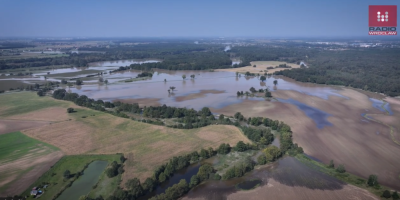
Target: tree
<point x="149" y="185"/>
<point x="395" y="195"/>
<point x="268" y="94"/>
<point x="111" y="172"/>
<point x="194" y="180"/>
<point x="184" y="76"/>
<point x="101" y="79"/>
<point x="106" y="81"/>
<point x="63" y="81"/>
<point x="134" y="187"/>
<point x="162" y="177"/>
<point x="261" y="160"/>
<point x="275" y="82"/>
<point x="204" y="172"/>
<point x="331" y="164"/>
<point x="253" y="90"/>
<point x="67" y="174"/>
<point x="40" y="93"/>
<point x="221" y="117"/>
<point x="341" y="169"/>
<point x="122" y="159"/>
<point x="272" y="153"/>
<point x="78" y="82"/>
<point x="372" y="180"/>
<point x="263" y="78"/>
<point x="237" y="74"/>
<point x="70" y="110"/>
<point x="241" y="146"/>
<point x="238" y="93"/>
<point x="386" y="194"/>
<point x="165" y="80"/>
<point x="192" y="76"/>
<point x="172" y="88"/>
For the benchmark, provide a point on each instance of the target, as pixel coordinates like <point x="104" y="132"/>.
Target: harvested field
<point x="261" y="66"/>
<point x="201" y="94"/>
<point x="149" y="145"/>
<point x="363" y="146"/>
<point x="8" y="126"/>
<point x="22" y="161"/>
<point x="101" y="133"/>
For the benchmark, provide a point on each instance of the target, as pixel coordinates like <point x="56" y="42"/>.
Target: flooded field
<point x="327" y="121"/>
<point x="283" y="175"/>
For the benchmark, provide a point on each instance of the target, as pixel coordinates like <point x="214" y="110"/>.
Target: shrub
<point x="70" y="110"/>
<point x="341" y="169"/>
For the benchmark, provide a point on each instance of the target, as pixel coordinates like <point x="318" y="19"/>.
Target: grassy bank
<point x="345" y="177"/>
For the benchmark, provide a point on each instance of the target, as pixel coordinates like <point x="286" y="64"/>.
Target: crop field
<point x="22" y="161"/>
<point x="54" y="178"/>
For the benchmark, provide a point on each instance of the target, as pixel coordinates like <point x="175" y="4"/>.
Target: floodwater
<point x="318" y="116"/>
<point x="185" y="173"/>
<point x="84" y="184"/>
<point x="156" y="88"/>
<point x="288" y="171"/>
<point x="376" y="103"/>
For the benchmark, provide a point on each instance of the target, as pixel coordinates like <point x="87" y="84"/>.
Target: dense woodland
<point x="376" y="70"/>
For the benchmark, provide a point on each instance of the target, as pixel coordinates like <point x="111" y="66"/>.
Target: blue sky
<point x="187" y="18"/>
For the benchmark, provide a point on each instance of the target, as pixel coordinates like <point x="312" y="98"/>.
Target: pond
<point x="84" y="184"/>
<point x="185" y="173"/>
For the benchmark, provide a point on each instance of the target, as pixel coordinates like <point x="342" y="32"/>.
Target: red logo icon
<point x="383" y="16"/>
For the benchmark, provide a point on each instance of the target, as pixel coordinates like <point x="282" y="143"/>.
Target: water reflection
<point x="288" y="171"/>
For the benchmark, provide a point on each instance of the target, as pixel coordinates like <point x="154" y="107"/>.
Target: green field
<point x="24" y="102"/>
<point x="75" y="163"/>
<point x="15" y="147"/>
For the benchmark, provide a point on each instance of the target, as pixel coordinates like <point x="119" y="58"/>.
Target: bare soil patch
<point x="260" y="67"/>
<point x="8" y="126"/>
<point x="201" y="94"/>
<point x="47" y="114"/>
<point x="142" y="102"/>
